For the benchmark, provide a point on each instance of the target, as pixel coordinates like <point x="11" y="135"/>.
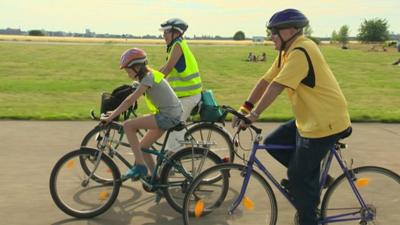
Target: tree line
<point x="373" y="30"/>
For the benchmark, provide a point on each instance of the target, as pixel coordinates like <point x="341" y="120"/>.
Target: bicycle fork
<point x="96" y="164"/>
<point x="246" y="174"/>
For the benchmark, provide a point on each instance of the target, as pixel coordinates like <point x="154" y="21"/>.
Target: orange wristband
<point x="244" y="110"/>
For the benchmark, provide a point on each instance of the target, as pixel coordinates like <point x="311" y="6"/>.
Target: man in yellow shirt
<point x="320" y="109"/>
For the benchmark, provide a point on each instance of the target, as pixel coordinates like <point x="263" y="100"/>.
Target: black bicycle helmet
<point x="287" y="18"/>
<point x="175" y="24"/>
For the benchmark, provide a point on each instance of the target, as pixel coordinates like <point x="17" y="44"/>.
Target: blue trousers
<point x="303" y="163"/>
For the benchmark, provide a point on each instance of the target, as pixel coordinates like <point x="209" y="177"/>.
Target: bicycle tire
<point x="168" y="172"/>
<point x="215" y="136"/>
<point x="215" y="211"/>
<point x="379" y="188"/>
<point x="65" y="165"/>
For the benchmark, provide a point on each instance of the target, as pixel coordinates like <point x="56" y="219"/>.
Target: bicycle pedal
<point x="285" y="183"/>
<point x="329" y="181"/>
<point x="286" y="186"/>
<point x="133" y="179"/>
<point x="159" y="196"/>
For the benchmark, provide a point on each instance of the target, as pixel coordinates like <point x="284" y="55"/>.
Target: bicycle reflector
<point x="70" y="164"/>
<point x="361" y="182"/>
<point x="226" y="159"/>
<point x="199" y="208"/>
<point x="103" y="195"/>
<point x="248" y="203"/>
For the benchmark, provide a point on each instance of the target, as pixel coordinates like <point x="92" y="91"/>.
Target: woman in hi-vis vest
<point x="182" y="73"/>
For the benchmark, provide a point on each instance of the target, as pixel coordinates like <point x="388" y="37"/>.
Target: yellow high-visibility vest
<point x="158" y="76"/>
<point x="187" y="82"/>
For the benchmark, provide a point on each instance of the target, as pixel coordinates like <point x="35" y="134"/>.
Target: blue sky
<point x="205" y="17"/>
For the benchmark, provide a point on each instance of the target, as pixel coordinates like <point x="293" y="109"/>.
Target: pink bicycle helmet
<point x="131" y="57"/>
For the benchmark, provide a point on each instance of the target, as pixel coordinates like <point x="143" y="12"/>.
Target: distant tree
<point x="36" y="33"/>
<point x="239" y="36"/>
<point x="316" y="40"/>
<point x="374" y="30"/>
<point x="343" y="35"/>
<point x="334" y="37"/>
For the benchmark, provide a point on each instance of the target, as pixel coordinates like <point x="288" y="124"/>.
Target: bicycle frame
<point x="113" y="151"/>
<point x="332" y="153"/>
<point x="161" y="158"/>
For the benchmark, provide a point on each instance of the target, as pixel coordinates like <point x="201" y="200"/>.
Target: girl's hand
<point x="105" y="118"/>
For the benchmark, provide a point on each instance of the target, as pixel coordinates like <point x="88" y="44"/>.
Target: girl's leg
<point x="132" y="126"/>
<point x="150" y="137"/>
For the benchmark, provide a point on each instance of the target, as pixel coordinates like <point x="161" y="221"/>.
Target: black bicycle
<point x="210" y="135"/>
<point x="85" y="183"/>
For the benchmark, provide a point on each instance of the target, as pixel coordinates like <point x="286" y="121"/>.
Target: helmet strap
<point x="283" y="44"/>
<point x="169" y="46"/>
<point x="141" y="71"/>
<point x="134" y="69"/>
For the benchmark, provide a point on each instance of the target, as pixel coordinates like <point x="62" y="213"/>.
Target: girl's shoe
<point x="136" y="172"/>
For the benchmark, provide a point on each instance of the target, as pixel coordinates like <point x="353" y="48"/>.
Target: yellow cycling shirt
<point x="317" y="101"/>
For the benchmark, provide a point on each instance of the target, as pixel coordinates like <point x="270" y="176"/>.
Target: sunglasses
<point x="274" y="31"/>
<point x="167" y="32"/>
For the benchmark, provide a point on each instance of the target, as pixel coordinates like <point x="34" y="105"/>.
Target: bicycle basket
<point x="209" y="109"/>
<point x="107" y="103"/>
<point x="110" y="101"/>
<point x="120" y="93"/>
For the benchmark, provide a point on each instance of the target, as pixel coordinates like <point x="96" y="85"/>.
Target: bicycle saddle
<point x="178" y="127"/>
<point x="346" y="133"/>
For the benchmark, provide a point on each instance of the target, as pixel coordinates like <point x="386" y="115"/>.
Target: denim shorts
<point x="165" y="122"/>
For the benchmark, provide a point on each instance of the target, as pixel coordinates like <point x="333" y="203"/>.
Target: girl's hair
<point x="180" y="34"/>
<point x="142" y="71"/>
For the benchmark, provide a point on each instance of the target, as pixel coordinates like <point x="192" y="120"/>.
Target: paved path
<point x="29" y="150"/>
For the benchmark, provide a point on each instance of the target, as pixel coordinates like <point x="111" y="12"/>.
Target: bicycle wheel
<point x="75" y="193"/>
<point x="378" y="187"/>
<point x="210" y="203"/>
<point x="117" y="146"/>
<point x="192" y="161"/>
<point x="213" y="137"/>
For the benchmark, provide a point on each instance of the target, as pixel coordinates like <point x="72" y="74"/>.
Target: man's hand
<point x="250" y="117"/>
<point x="235" y="121"/>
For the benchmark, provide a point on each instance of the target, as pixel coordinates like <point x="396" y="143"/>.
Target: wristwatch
<point x="253" y="113"/>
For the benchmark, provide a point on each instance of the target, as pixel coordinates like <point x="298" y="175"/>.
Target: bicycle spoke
<point x="78" y="194"/>
<point x="378" y="189"/>
<point x="211" y="203"/>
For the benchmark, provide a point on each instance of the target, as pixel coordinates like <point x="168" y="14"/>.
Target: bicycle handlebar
<point x="94" y="117"/>
<point x="241" y="117"/>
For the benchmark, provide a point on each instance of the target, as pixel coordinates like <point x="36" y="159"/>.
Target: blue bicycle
<point x="363" y="195"/>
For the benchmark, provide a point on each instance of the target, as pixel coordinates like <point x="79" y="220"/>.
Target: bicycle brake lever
<point x="93" y="115"/>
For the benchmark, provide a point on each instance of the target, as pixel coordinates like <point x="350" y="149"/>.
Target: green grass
<point x="63" y="82"/>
